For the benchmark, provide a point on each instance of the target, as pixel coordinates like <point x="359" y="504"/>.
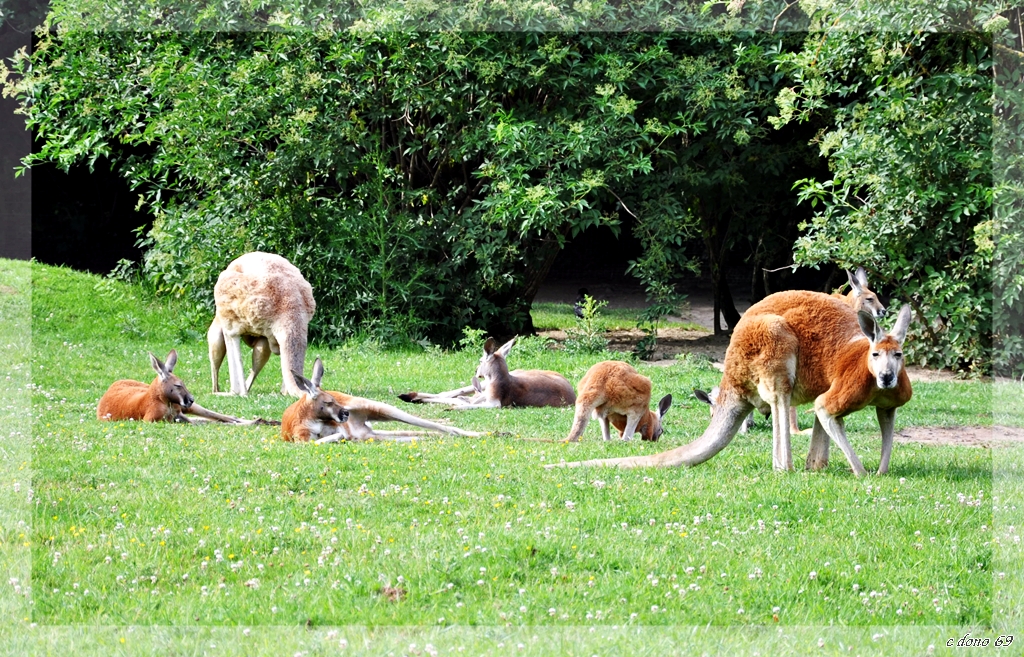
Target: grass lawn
<point x="469" y="541"/>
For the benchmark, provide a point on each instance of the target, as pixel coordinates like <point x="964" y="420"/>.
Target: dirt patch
<point x="7" y="289"/>
<point x="671" y="342"/>
<point x="986" y="437"/>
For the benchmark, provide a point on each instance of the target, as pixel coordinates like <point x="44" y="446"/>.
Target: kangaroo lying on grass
<point x="614" y="392"/>
<point x="495" y="387"/>
<point x="327" y="416"/>
<point x="796" y="347"/>
<point x="164" y="400"/>
<point x="262" y="298"/>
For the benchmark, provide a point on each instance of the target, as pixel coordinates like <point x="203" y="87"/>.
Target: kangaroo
<point x="297" y="423"/>
<point x="795" y="347"/>
<point x="860" y="296"/>
<point x="314" y="415"/>
<point x="614" y="392"/>
<point x="265" y="297"/>
<point x="711" y="399"/>
<point x="495" y="387"/>
<point x="164" y="400"/>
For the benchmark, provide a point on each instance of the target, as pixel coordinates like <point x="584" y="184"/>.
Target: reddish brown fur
<point x="165" y="399"/>
<point x="614" y="391"/>
<point x="135" y="400"/>
<point x="323" y="408"/>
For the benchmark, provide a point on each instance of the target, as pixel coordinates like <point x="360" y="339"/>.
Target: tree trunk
<point x="716" y="245"/>
<point x="518" y="321"/>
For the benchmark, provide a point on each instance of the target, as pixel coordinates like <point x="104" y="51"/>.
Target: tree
<point x="911" y="193"/>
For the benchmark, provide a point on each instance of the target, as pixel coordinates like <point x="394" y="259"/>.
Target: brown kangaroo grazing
<point x="495" y="387"/>
<point x="300" y="421"/>
<point x="164" y="400"/>
<point x="795" y="347"/>
<point x="860" y="297"/>
<point x="614" y="392"/>
<point x="265" y="297"/>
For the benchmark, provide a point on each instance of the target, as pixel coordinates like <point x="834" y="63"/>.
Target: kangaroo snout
<point x="342" y="416"/>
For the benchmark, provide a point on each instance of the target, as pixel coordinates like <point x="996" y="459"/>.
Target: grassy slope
<point x="176" y="525"/>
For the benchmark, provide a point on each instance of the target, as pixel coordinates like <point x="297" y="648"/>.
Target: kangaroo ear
<point x="858" y="281"/>
<point x="899" y="330"/>
<point x="158" y="365"/>
<point x="702" y="396"/>
<point x="490" y="345"/>
<point x="664" y="405"/>
<point x="318" y="372"/>
<point x="507" y="347"/>
<point x="305" y="384"/>
<point x="862" y="277"/>
<point x="172" y="360"/>
<point x="869" y="326"/>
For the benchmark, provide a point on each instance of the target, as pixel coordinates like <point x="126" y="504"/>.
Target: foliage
<point x="587" y="337"/>
<point x="1005" y="238"/>
<point x="472" y="339"/>
<point x="910" y="198"/>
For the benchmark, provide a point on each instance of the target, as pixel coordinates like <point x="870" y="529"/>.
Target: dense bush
<point x="911" y="196"/>
<point x="422" y="181"/>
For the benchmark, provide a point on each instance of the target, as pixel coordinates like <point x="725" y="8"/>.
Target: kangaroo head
<point x="709" y="398"/>
<point x="172" y="388"/>
<point x="864" y="297"/>
<point x="650" y="426"/>
<point x="492" y="363"/>
<point x="885" y="356"/>
<point x="323" y="404"/>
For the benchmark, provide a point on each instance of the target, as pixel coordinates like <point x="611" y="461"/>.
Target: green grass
<point x="550" y="316"/>
<point x="172" y="525"/>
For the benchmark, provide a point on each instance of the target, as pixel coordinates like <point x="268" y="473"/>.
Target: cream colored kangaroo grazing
<point x="164" y="400"/>
<point x="796" y="347"/>
<point x="299" y="424"/>
<point x="614" y="392"/>
<point x="265" y="297"/>
<point x="495" y="387"/>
